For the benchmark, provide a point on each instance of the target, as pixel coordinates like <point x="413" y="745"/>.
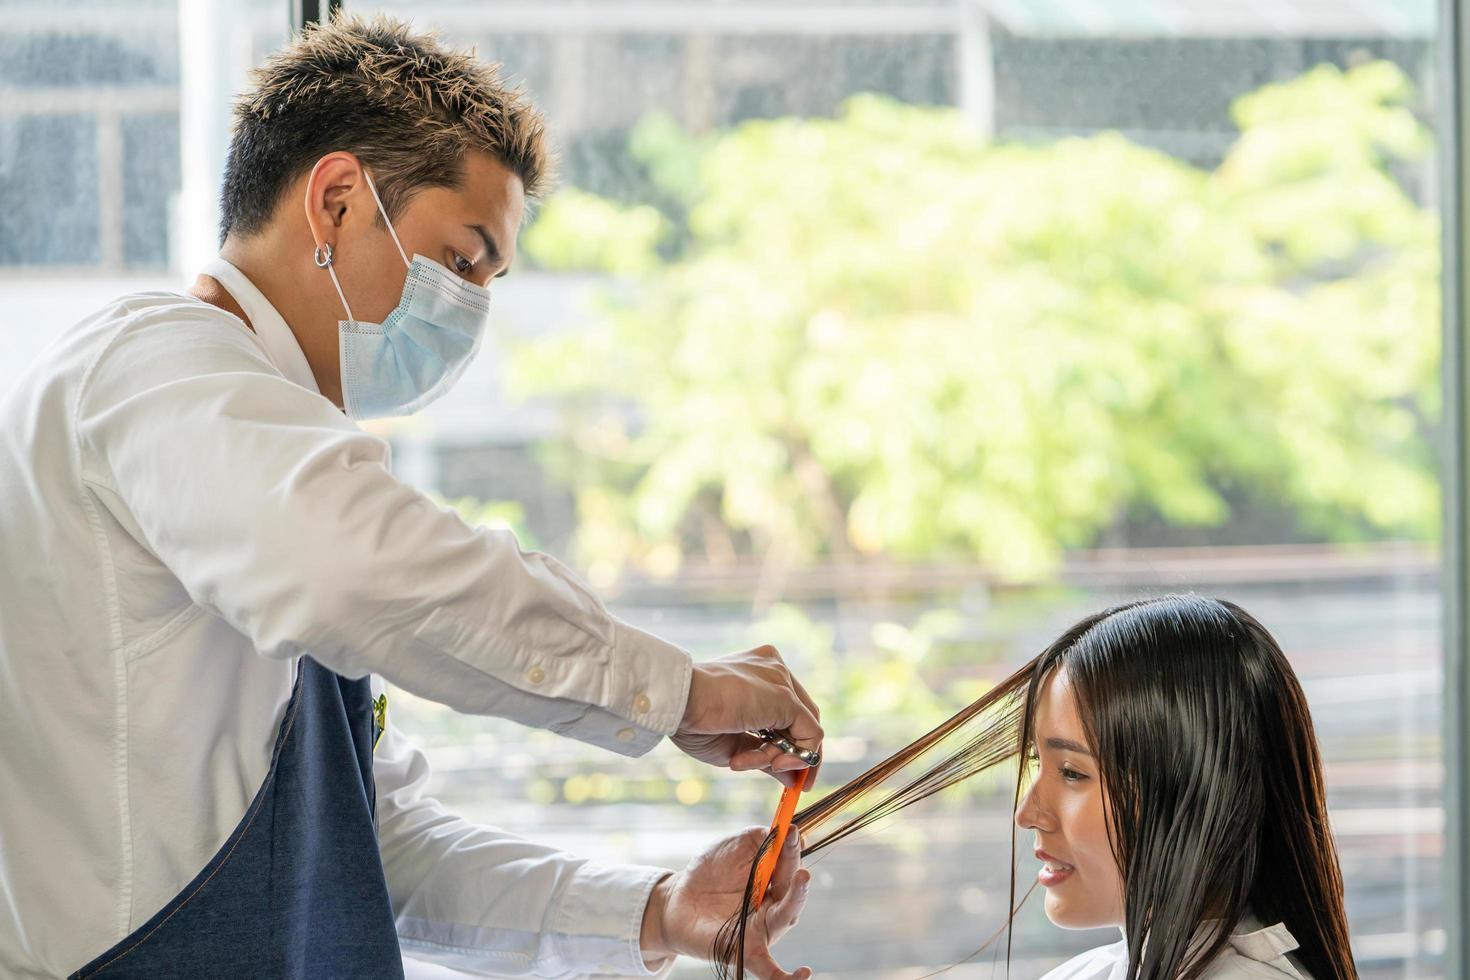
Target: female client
<point x="1172" y="783"/>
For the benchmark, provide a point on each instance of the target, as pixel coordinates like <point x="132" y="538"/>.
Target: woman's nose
<point x="1035" y="812"/>
<point x="1028" y="813"/>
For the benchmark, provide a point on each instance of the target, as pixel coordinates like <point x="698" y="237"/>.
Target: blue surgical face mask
<point x="423" y="346"/>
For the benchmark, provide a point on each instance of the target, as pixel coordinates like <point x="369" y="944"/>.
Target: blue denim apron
<point x="297" y="891"/>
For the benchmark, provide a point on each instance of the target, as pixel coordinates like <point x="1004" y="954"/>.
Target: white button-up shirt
<point x="182" y="516"/>
<point x="1253" y="952"/>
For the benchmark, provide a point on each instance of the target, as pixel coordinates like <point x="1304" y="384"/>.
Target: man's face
<point x="470" y="230"/>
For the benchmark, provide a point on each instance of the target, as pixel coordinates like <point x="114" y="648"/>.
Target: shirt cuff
<point x="600" y="920"/>
<point x="648" y="679"/>
<point x="602" y="728"/>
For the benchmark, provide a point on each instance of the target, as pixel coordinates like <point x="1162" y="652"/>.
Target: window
<point x="899" y="333"/>
<point x="691" y="387"/>
<point x="112" y="139"/>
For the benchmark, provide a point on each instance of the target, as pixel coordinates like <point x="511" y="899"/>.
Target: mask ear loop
<point x="384" y="211"/>
<point x="323" y="259"/>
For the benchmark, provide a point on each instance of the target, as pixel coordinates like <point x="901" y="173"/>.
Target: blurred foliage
<point x="888" y="689"/>
<point x="879" y="690"/>
<point x="882" y="335"/>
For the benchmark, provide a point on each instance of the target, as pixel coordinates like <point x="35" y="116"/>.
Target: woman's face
<point x="1067" y="810"/>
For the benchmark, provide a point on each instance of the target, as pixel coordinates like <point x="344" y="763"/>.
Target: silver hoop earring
<point x="323" y="255"/>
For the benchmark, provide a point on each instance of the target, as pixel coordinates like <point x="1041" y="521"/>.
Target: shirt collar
<point x="1264" y="944"/>
<point x="280" y="343"/>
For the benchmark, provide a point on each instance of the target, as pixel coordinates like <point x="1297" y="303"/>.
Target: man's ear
<point x="335" y="185"/>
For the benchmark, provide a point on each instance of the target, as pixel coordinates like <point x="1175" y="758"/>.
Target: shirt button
<point x="642" y="705"/>
<point x="535" y="675"/>
<point x="624" y="735"/>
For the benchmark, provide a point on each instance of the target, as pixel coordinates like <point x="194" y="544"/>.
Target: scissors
<point x="810" y="756"/>
<point x="785" y="810"/>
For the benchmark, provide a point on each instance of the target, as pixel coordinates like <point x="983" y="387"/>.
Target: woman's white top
<point x="1253" y="952"/>
<point x="183" y="515"/>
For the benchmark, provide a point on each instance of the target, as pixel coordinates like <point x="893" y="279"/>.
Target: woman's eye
<point x="462" y="265"/>
<point x="1072" y="775"/>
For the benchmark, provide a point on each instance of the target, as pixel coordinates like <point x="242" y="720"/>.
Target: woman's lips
<point x="1053" y="871"/>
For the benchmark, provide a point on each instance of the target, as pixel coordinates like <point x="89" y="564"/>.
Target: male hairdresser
<point x="207" y="569"/>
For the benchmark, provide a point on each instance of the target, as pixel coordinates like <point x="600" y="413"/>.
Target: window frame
<point x="1454" y="123"/>
<point x="305" y="12"/>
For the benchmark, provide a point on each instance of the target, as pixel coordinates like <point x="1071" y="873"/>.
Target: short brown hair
<point x="405" y="104"/>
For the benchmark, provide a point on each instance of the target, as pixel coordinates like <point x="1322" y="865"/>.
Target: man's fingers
<point x="805" y="730"/>
<point x="787" y="907"/>
<point x="780" y="912"/>
<point x="786" y="867"/>
<point x="769" y="758"/>
<point x="753" y="836"/>
<point x="760" y="964"/>
<point x="787" y="763"/>
<point x="762" y="967"/>
<point x="806" y="698"/>
<point x="757" y="761"/>
<point x="759" y="755"/>
<point x="785" y="897"/>
<point x="745" y="761"/>
<point x="751" y="752"/>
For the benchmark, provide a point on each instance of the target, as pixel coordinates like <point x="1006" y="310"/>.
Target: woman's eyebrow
<point x="1067" y="745"/>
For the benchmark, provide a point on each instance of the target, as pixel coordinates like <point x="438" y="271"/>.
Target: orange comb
<point x="785" y="810"/>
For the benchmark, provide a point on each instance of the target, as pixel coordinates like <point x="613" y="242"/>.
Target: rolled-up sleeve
<point x="481" y="900"/>
<point x="278" y="514"/>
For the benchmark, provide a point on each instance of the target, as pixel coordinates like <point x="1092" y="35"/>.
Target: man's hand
<point x="687" y="910"/>
<point x="743" y="692"/>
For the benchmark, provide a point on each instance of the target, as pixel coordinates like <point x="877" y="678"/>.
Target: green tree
<point x="883" y="335"/>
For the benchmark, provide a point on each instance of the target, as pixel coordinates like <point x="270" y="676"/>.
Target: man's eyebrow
<point x="1067" y="745"/>
<point x="492" y="250"/>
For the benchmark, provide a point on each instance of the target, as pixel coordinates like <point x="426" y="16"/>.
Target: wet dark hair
<point x="1216" y="801"/>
